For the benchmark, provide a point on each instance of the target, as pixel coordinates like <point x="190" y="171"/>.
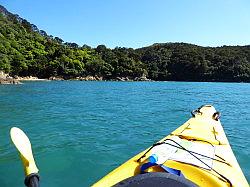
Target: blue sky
<point x="138" y="23"/>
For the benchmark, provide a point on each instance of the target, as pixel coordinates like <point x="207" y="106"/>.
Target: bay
<point x="82" y="130"/>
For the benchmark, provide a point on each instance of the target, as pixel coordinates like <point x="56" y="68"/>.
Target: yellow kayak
<point x="195" y="154"/>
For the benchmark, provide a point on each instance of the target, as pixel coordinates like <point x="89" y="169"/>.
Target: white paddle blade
<point x="21" y="141"/>
<point x="23" y="145"/>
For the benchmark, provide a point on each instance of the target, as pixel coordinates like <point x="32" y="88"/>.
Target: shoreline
<point x="4" y="80"/>
<point x="7" y="79"/>
<point x="29" y="78"/>
<point x="23" y="80"/>
<point x="97" y="78"/>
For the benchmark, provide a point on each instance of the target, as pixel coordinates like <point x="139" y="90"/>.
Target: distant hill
<point x="188" y="62"/>
<point x="26" y="50"/>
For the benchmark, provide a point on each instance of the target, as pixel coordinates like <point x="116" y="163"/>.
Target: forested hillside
<point x="180" y="61"/>
<point x="25" y="50"/>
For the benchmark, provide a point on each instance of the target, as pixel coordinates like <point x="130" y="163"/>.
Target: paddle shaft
<point x="32" y="180"/>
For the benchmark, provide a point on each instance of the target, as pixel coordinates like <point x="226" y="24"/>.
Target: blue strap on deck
<point x="172" y="170"/>
<point x="165" y="168"/>
<point x="146" y="166"/>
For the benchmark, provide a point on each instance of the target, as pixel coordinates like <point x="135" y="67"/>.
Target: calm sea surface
<point x="82" y="130"/>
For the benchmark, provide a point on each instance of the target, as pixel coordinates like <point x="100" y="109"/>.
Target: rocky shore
<point x="98" y="78"/>
<point x="29" y="78"/>
<point x="6" y="79"/>
<point x="9" y="81"/>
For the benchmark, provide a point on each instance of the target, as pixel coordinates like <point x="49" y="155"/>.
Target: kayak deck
<point x="202" y="130"/>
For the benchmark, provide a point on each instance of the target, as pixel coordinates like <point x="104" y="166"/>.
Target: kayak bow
<point x="203" y="156"/>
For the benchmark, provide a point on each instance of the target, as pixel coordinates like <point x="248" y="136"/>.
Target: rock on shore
<point x="29" y="78"/>
<point x="90" y="78"/>
<point x="9" y="81"/>
<point x="6" y="79"/>
<point x="142" y="78"/>
<point x="56" y="78"/>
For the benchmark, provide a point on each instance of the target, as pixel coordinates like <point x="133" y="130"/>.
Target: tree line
<point x="25" y="50"/>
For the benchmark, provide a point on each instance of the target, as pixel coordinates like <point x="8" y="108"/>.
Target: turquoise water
<point x="82" y="130"/>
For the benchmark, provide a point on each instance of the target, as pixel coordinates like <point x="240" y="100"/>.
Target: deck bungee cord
<point x="182" y="148"/>
<point x="193" y="154"/>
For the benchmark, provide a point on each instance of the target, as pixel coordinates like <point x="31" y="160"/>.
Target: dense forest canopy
<point x="25" y="50"/>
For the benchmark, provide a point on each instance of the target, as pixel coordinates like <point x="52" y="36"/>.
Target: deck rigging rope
<point x="193" y="154"/>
